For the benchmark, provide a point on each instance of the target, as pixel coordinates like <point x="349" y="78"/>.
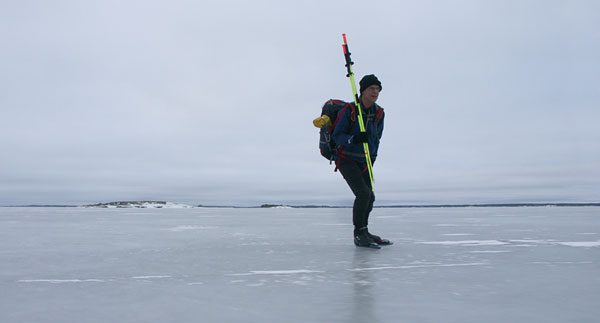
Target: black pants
<point x="357" y="176"/>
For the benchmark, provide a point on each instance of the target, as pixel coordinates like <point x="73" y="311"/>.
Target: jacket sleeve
<point x="340" y="134"/>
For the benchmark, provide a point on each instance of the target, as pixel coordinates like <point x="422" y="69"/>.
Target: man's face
<point x="372" y="92"/>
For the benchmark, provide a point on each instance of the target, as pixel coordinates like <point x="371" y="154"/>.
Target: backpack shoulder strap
<point x="340" y="115"/>
<point x="353" y="114"/>
<point x="379" y="113"/>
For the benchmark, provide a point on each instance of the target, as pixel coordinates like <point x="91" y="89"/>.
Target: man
<point x="352" y="161"/>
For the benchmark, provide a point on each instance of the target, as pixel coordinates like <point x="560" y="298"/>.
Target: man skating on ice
<point x="351" y="157"/>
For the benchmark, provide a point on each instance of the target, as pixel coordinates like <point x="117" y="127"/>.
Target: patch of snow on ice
<point x="466" y="243"/>
<point x="190" y="227"/>
<point x="587" y="244"/>
<point x="419" y="266"/>
<point x="284" y="272"/>
<point x="60" y="281"/>
<point x="458" y="234"/>
<point x="533" y="241"/>
<point x="562" y="262"/>
<point x="278" y="272"/>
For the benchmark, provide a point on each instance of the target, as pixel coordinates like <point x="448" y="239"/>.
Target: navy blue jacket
<point x="345" y="129"/>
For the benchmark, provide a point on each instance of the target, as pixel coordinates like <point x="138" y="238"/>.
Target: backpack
<point x="330" y="114"/>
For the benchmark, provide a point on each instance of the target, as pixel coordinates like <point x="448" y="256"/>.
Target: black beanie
<point x="367" y="81"/>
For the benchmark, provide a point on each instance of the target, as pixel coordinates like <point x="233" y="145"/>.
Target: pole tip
<point x="345" y="41"/>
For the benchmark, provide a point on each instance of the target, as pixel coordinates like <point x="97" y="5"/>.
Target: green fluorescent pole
<point x="349" y="64"/>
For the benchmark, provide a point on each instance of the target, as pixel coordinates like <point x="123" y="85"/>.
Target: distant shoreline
<point x="483" y="205"/>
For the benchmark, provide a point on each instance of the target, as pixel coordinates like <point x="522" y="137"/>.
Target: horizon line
<point x="275" y="205"/>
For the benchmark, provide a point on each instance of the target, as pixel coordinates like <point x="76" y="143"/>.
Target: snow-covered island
<point x="165" y="205"/>
<point x="139" y="205"/>
<point x="275" y="206"/>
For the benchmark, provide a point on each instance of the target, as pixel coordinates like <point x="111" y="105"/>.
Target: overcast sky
<point x="211" y="102"/>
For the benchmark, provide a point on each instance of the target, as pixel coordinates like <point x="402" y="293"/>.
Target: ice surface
<point x="299" y="265"/>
